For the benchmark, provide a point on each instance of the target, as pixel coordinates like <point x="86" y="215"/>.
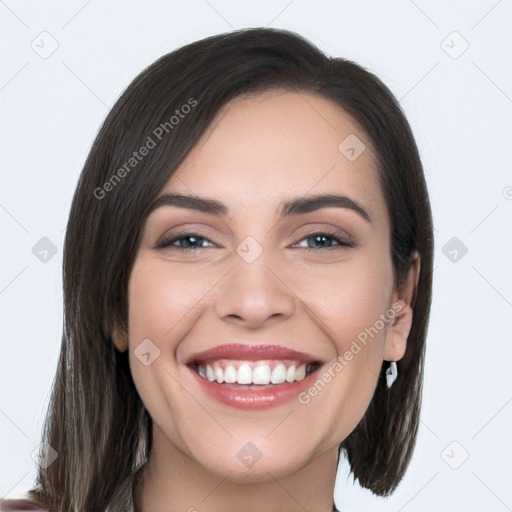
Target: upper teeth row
<point x="261" y="374"/>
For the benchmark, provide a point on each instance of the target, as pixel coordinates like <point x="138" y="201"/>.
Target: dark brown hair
<point x="96" y="421"/>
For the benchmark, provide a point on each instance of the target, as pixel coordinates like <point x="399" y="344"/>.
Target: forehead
<point x="278" y="144"/>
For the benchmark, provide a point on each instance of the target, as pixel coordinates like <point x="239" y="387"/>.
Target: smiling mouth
<point x="253" y="377"/>
<point x="254" y="373"/>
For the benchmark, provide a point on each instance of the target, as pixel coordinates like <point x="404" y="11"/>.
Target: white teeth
<point x="300" y="372"/>
<point x="230" y="374"/>
<point x="278" y="374"/>
<point x="244" y="375"/>
<point x="290" y="374"/>
<point x="245" y="372"/>
<point x="261" y="375"/>
<point x="219" y="374"/>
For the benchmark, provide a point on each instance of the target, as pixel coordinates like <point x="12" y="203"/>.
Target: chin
<point x="250" y="465"/>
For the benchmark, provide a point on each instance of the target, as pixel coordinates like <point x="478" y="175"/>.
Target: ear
<point x="119" y="339"/>
<point x="398" y="331"/>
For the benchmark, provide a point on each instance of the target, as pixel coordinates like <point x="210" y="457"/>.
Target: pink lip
<point x="250" y="353"/>
<point x="252" y="397"/>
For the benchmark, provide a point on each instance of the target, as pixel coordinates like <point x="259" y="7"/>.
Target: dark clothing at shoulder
<point x="20" y="505"/>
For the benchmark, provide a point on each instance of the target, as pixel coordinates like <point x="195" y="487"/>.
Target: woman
<point x="247" y="287"/>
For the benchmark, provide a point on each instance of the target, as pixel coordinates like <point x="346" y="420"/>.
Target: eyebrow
<point x="291" y="207"/>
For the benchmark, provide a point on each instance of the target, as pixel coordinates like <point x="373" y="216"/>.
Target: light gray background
<point x="460" y="106"/>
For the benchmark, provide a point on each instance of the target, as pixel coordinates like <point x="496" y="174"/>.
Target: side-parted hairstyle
<point x="96" y="421"/>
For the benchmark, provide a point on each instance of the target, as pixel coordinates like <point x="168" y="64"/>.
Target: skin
<point x="260" y="151"/>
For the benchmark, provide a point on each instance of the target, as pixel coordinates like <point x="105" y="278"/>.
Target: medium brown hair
<point x="95" y="420"/>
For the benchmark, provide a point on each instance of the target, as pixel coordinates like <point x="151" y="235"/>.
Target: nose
<point x="252" y="294"/>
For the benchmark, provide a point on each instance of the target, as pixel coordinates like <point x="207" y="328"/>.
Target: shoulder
<point x="20" y="505"/>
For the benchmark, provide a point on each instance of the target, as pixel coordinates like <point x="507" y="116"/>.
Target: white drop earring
<point x="391" y="373"/>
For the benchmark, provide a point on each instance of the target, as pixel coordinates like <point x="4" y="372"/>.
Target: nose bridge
<point x="254" y="270"/>
<point x="253" y="290"/>
<point x="253" y="265"/>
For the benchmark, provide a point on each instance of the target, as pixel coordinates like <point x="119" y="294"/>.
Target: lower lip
<point x="254" y="397"/>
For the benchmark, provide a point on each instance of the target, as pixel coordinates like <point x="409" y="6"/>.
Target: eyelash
<point x="167" y="242"/>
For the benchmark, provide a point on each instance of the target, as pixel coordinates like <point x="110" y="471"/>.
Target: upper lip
<point x="250" y="353"/>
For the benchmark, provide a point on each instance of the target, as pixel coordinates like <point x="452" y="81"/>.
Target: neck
<point x="172" y="480"/>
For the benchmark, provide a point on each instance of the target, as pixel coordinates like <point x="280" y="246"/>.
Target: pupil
<point x="192" y="240"/>
<point x="320" y="239"/>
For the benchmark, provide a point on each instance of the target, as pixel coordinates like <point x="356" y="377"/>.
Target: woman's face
<point x="258" y="290"/>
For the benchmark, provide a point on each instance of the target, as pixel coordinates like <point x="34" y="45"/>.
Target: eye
<point x="190" y="241"/>
<point x="186" y="241"/>
<point x="324" y="240"/>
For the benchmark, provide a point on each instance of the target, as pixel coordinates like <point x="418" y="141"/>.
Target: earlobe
<point x="403" y="301"/>
<point x="119" y="339"/>
<point x="398" y="331"/>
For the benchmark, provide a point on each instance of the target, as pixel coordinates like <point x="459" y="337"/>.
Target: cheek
<point x="160" y="300"/>
<point x="351" y="298"/>
<point x="351" y="303"/>
<point x="161" y="307"/>
<point x="165" y="301"/>
<point x="159" y="311"/>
